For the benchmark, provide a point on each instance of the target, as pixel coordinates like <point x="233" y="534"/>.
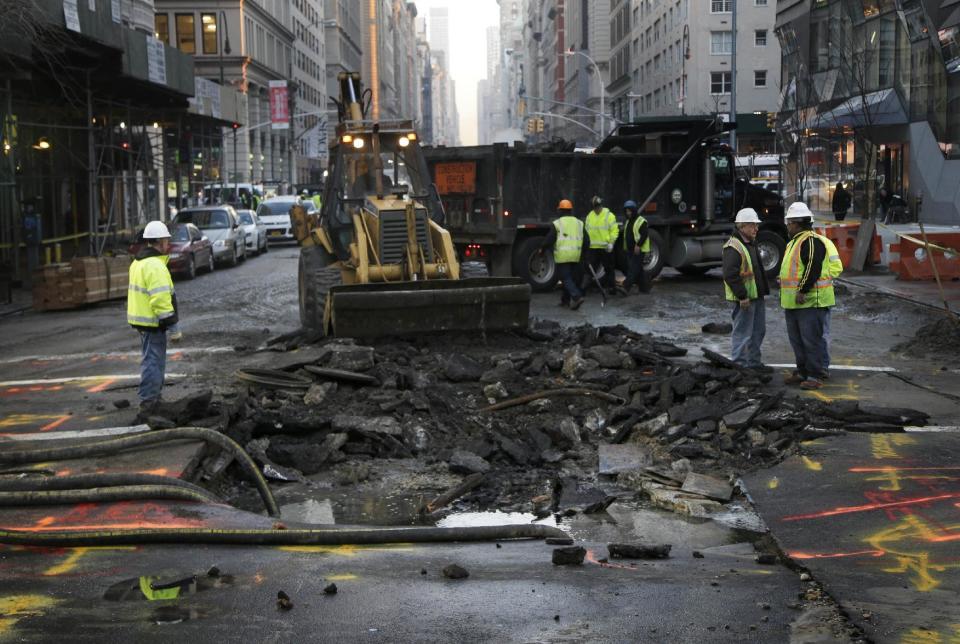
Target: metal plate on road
<point x="876" y="520"/>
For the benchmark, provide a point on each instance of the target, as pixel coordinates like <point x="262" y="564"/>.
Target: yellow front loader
<point x="376" y="260"/>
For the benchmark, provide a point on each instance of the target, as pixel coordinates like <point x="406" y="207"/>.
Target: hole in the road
<point x="160" y="588"/>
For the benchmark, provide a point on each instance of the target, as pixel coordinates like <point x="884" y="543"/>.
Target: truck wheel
<point x="653" y="261"/>
<point x="538" y="268"/>
<point x="315" y="276"/>
<point x="771" y="247"/>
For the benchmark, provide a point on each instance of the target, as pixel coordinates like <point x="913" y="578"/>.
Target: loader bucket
<point x="405" y="308"/>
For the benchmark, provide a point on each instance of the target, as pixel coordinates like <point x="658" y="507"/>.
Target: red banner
<point x="279" y="105"/>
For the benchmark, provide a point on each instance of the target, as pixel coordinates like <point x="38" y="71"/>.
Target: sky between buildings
<point x="469" y="20"/>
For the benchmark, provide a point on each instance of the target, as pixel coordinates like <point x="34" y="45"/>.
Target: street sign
<point x="156" y="61"/>
<point x="279" y="105"/>
<point x="71" y="15"/>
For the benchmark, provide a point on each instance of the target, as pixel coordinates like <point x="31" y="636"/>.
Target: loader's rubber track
<point x="315" y="276"/>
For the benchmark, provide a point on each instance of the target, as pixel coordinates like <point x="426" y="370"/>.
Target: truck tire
<point x="537" y="268"/>
<point x="653" y="261"/>
<point x="771" y="247"/>
<point x="315" y="276"/>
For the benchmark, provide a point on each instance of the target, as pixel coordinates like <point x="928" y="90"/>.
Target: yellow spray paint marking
<point x="773" y="483"/>
<point x="70" y="563"/>
<point x="349" y="550"/>
<point x="914" y="530"/>
<point x="893" y="478"/>
<point x="343" y="577"/>
<point x="920" y="636"/>
<point x="811" y="464"/>
<point x="883" y="445"/>
<point x="16" y="607"/>
<point x="15" y="420"/>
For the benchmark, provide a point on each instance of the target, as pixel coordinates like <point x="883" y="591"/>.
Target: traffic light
<point x="539" y="125"/>
<point x="771" y="120"/>
<point x="236" y="126"/>
<point x="531" y="126"/>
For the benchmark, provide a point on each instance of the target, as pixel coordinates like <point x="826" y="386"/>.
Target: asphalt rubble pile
<point x="940" y="337"/>
<point x="550" y="420"/>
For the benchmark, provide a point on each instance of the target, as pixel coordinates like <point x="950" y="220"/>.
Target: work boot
<point x="622" y="292"/>
<point x="810" y="384"/>
<point x="761" y="368"/>
<point x="794" y="379"/>
<point x="147" y="408"/>
<point x="574" y="305"/>
<point x="563" y="303"/>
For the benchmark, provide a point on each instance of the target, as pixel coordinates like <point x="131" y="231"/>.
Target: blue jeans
<point x="153" y="364"/>
<point x="568" y="278"/>
<point x="635" y="273"/>
<point x="809" y="333"/>
<point x="749" y="327"/>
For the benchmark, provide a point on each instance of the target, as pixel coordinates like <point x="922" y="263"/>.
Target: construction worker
<point x="317" y="200"/>
<point x="745" y="284"/>
<point x="568" y="242"/>
<point x="810" y="264"/>
<point x="636" y="244"/>
<point x="151" y="310"/>
<point x="602" y="231"/>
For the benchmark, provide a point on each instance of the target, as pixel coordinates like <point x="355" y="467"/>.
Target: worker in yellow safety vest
<point x="602" y="231"/>
<point x="745" y="285"/>
<point x="317" y="200"/>
<point x="636" y="245"/>
<point x="152" y="310"/>
<point x="566" y="238"/>
<point x="810" y="264"/>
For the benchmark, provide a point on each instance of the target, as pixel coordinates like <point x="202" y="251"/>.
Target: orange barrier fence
<point x="844" y="237"/>
<point x="914" y="264"/>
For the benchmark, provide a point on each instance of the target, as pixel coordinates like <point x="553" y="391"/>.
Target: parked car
<point x="190" y="250"/>
<point x="275" y="215"/>
<point x="221" y="225"/>
<point x="256" y="231"/>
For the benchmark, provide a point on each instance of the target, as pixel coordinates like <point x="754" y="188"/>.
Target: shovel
<point x="596" y="280"/>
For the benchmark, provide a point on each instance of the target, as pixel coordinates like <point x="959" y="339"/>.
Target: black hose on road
<point x="104" y="495"/>
<point x="113" y="445"/>
<point x="87" y="481"/>
<point x="290" y="537"/>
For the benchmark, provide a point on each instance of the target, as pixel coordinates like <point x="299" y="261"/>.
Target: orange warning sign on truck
<point x="456" y="178"/>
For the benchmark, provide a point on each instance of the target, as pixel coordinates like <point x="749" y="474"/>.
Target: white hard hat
<point x="747" y="216"/>
<point x="156" y="230"/>
<point x="798" y="210"/>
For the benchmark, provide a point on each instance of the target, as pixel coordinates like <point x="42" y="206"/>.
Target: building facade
<point x="869" y="99"/>
<point x="309" y="90"/>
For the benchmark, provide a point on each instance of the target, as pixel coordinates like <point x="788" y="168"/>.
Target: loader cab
<point x="370" y="165"/>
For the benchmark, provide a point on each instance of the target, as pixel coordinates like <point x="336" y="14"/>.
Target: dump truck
<point x="376" y="259"/>
<point x="500" y="200"/>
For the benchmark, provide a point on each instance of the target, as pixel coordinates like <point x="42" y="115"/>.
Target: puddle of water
<point x="478" y="519"/>
<point x="740" y="518"/>
<point x="316" y="511"/>
<point x="169" y="615"/>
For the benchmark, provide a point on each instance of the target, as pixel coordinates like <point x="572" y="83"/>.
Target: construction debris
<point x="638" y="551"/>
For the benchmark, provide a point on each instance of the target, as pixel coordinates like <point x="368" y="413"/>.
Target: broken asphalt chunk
<point x="453" y="571"/>
<point x="569" y="556"/>
<point x="638" y="551"/>
<point x="707" y="486"/>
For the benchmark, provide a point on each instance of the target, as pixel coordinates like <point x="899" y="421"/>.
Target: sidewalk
<point x="22" y="301"/>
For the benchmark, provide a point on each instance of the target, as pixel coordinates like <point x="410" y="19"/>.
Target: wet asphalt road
<point x="513" y="593"/>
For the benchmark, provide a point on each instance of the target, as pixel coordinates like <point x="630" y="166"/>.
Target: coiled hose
<point x="112" y="445"/>
<point x="289" y="537"/>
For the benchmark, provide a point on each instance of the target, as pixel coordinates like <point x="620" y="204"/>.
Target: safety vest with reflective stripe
<point x="316" y="201"/>
<point x="601" y="228"/>
<point x="746" y="271"/>
<point x="566" y="249"/>
<point x="793" y="271"/>
<point x="645" y="246"/>
<point x="150" y="292"/>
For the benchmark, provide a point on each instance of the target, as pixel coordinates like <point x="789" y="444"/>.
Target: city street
<point x="64" y="372"/>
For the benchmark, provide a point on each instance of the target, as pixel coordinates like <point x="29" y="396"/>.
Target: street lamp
<point x="603" y="116"/>
<point x="225" y="48"/>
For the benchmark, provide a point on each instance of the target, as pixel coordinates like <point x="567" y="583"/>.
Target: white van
<point x="274" y="214"/>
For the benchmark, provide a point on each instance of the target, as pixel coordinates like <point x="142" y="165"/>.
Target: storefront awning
<point x="882" y="107"/>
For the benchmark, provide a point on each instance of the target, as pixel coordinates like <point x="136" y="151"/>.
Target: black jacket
<point x="816" y="264"/>
<point x="628" y="231"/>
<point x="841" y="200"/>
<point x="731" y="269"/>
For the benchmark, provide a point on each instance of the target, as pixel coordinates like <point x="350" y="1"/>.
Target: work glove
<point x="175" y="336"/>
<point x="745" y="303"/>
<point x="610" y="248"/>
<point x="801" y="297"/>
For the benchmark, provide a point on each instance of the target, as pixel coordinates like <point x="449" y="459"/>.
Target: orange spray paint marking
<point x="835" y="555"/>
<point x="103" y="385"/>
<point x="54" y="424"/>
<point x="871" y="506"/>
<point x="592" y="558"/>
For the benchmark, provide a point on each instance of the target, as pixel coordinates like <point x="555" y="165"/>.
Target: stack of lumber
<point x="84" y="280"/>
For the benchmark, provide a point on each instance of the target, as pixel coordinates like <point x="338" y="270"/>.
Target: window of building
<point x="161" y="27"/>
<point x="209" y="26"/>
<point x="186" y="33"/>
<point x="759" y="78"/>
<point x="760" y="38"/>
<point x="720" y="82"/>
<point x="721" y="43"/>
<point x="759" y="3"/>
<point x="721" y="6"/>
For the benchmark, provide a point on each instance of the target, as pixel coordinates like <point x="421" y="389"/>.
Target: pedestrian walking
<point x="567" y="240"/>
<point x="602" y="232"/>
<point x="151" y="310"/>
<point x="636" y="245"/>
<point x="841" y="202"/>
<point x="810" y="264"/>
<point x="745" y="285"/>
